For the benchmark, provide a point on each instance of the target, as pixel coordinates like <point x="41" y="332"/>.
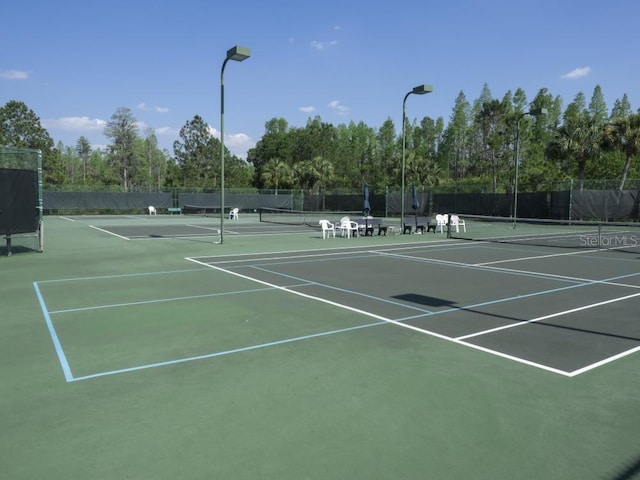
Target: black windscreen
<point x="18" y="201"/>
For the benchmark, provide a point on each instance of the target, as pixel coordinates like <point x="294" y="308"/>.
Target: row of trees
<point x="478" y="145"/>
<point x="130" y="161"/>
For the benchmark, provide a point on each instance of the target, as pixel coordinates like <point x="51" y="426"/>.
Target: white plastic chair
<point x="349" y="227"/>
<point x="441" y="222"/>
<point x="457" y="222"/>
<point x="328" y="228"/>
<point x="152" y="210"/>
<point x="233" y="213"/>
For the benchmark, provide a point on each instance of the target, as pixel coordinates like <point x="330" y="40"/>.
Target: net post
<point x="41" y="236"/>
<point x="599" y="236"/>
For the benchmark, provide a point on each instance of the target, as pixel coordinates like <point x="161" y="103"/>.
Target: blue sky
<point x="75" y="62"/>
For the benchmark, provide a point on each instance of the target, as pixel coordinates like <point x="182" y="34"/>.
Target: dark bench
<point x="372" y="223"/>
<point x="421" y="224"/>
<point x="172" y="210"/>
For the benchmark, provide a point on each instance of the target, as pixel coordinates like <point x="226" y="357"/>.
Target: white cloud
<point x="214" y="132"/>
<point x="141" y="126"/>
<point x="14" y="75"/>
<point x="340" y="109"/>
<point x="75" y="124"/>
<point x="237" y="143"/>
<point x="151" y="108"/>
<point x="237" y="140"/>
<point x="167" y="131"/>
<point x="307" y="109"/>
<point x="322" y="45"/>
<point x="578" y="73"/>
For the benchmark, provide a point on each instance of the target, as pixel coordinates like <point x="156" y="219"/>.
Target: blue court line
<point x="146" y="302"/>
<point x="54" y="336"/>
<point x="106" y="277"/>
<point x="526" y="295"/>
<point x="219" y="354"/>
<point x="307" y="283"/>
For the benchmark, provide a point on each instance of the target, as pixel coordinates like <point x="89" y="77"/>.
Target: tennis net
<point x="624" y="236"/>
<point x="300" y="217"/>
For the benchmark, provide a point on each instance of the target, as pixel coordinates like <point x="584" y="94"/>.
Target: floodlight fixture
<point x="422" y="89"/>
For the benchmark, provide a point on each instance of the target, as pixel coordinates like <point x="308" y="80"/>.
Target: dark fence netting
<point x="562" y="204"/>
<point x="344" y="202"/>
<point x="244" y="201"/>
<point x="425" y="203"/>
<point x="497" y="204"/>
<point x="105" y="200"/>
<point x="605" y="204"/>
<point x="559" y="205"/>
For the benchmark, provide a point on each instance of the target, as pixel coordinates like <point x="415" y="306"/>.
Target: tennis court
<point x="139" y="347"/>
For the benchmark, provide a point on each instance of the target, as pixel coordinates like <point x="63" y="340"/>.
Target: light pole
<point x="238" y="54"/>
<point x="419" y="90"/>
<point x="536" y="112"/>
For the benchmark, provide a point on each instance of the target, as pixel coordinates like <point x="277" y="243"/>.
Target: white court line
<point x="217" y="230"/>
<point x="529" y="273"/>
<point x="308" y="253"/>
<point x="605" y="361"/>
<point x="461" y="340"/>
<point x="546" y="317"/>
<point x="110" y="233"/>
<point x="535" y="257"/>
<point x="488" y="266"/>
<point x="384" y="319"/>
<point x="566" y="277"/>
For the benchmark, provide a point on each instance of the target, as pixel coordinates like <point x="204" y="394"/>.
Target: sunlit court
<point x="512" y="302"/>
<point x="380" y="346"/>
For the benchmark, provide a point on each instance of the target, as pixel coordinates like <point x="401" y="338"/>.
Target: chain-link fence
<point x="597" y="200"/>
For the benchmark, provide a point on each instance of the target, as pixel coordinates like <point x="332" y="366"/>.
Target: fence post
<point x="570" y="198"/>
<point x="386" y="201"/>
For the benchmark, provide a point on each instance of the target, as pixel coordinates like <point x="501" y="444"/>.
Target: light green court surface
<point x="135" y="348"/>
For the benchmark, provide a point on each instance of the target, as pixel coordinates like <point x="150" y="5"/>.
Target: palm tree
<point x="275" y="171"/>
<point x="623" y="134"/>
<point x="580" y="139"/>
<point x="300" y="172"/>
<point x="321" y="173"/>
<point x="433" y="175"/>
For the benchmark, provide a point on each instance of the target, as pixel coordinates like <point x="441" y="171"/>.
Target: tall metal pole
<point x="536" y="112"/>
<point x="224" y="64"/>
<point x="419" y="90"/>
<point x="403" y="163"/>
<point x="238" y="54"/>
<point x="515" y="187"/>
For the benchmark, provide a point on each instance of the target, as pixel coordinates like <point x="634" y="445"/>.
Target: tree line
<point x="477" y="146"/>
